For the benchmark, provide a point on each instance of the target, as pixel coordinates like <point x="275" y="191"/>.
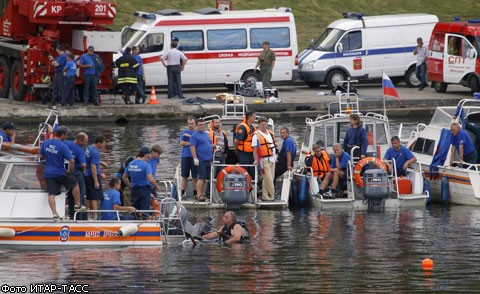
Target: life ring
<point x="228" y="170"/>
<point x="154" y="206"/>
<point x="361" y="164"/>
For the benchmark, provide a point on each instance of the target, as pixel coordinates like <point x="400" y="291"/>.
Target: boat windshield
<point x="26" y="177"/>
<point x="131" y="36"/>
<point x="443" y="116"/>
<point x="327" y="40"/>
<point x="2" y="169"/>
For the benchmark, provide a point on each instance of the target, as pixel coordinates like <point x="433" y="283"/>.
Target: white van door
<point x="192" y="44"/>
<point x="152" y="47"/>
<point x="351" y="55"/>
<point x="459" y="58"/>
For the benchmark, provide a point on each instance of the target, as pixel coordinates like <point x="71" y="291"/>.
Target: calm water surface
<point x="290" y="250"/>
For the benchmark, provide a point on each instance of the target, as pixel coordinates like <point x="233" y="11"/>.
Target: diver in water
<point x="232" y="232"/>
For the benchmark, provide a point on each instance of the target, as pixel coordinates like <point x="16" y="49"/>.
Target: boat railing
<point x="414" y="133"/>
<point x="166" y="188"/>
<point x="319" y="118"/>
<point x="376" y="116"/>
<point x="353" y="158"/>
<point x="43" y="127"/>
<point x="235" y="109"/>
<point x="173" y="216"/>
<point x="142" y="213"/>
<point x="351" y="181"/>
<point x="464" y="165"/>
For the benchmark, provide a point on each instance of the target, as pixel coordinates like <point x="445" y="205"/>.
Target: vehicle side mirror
<point x="471" y="54"/>
<point x="339" y="47"/>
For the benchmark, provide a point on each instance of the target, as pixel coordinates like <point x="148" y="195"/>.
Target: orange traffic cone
<point x="153" y="97"/>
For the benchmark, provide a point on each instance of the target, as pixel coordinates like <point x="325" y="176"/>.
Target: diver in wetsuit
<point x="232" y="232"/>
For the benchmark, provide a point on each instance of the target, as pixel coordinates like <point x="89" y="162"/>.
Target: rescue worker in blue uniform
<point x="287" y="154"/>
<point x="78" y="152"/>
<point x="8" y="132"/>
<point x="55" y="152"/>
<point x="140" y="180"/>
<point x="111" y="201"/>
<point x="461" y="143"/>
<point x="403" y="157"/>
<point x="90" y="76"/>
<point x="93" y="172"/>
<point x="58" y="63"/>
<point x="337" y="174"/>
<point x="356" y="136"/>
<point x="201" y="149"/>
<point x="153" y="162"/>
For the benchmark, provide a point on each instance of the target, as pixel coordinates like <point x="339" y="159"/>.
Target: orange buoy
<point x="427" y="264"/>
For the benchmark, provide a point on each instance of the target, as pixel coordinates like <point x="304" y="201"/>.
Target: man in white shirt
<point x="421" y="52"/>
<point x="265" y="155"/>
<point x="176" y="61"/>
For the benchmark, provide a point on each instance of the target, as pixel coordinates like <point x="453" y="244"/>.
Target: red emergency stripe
<point x="245" y="20"/>
<point x="221" y="55"/>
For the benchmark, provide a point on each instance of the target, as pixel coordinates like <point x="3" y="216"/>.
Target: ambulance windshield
<point x="327" y="40"/>
<point x="131" y="36"/>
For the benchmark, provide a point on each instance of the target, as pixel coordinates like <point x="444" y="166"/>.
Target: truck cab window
<point x="352" y="41"/>
<point x="152" y="43"/>
<point x="3" y="6"/>
<point x="454" y="44"/>
<point x="438" y="44"/>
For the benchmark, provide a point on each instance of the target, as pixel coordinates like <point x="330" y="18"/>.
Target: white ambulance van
<point x="221" y="46"/>
<point x="363" y="47"/>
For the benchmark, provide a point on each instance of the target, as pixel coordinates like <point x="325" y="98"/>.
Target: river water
<point x="290" y="251"/>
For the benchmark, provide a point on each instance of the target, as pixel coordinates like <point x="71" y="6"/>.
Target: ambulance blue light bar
<point x="354" y="15"/>
<point x="471" y="20"/>
<point x="476" y="95"/>
<point x="144" y="15"/>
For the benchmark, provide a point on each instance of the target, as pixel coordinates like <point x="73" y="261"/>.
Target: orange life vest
<point x="320" y="166"/>
<point x="245" y="145"/>
<point x="266" y="147"/>
<point x="213" y="138"/>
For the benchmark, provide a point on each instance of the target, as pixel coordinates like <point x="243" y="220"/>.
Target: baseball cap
<point x="8" y="126"/>
<point x="143" y="151"/>
<point x="266" y="42"/>
<point x="62" y="130"/>
<point x="174" y="39"/>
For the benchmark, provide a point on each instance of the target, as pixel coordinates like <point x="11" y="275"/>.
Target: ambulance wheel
<point x="251" y="76"/>
<point x="440" y="87"/>
<point x="313" y="84"/>
<point x="4" y="77"/>
<point x="16" y="81"/>
<point x="411" y="78"/>
<point x="334" y="77"/>
<point x="474" y="84"/>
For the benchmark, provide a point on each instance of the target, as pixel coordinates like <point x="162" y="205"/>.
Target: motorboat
<point x="328" y="129"/>
<point x="430" y="143"/>
<point x="26" y="219"/>
<point x="243" y="190"/>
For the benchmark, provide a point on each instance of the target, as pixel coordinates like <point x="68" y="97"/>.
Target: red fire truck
<point x="30" y="30"/>
<point x="454" y="55"/>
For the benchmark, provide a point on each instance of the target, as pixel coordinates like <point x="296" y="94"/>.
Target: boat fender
<point x="128" y="230"/>
<point x="444" y="189"/>
<point x="426" y="189"/>
<point x="7" y="233"/>
<point x="302" y="190"/>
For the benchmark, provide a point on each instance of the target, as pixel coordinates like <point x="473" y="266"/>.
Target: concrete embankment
<point x="297" y="101"/>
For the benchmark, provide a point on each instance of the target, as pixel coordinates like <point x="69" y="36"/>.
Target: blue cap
<point x="143" y="151"/>
<point x="8" y="126"/>
<point x="174" y="39"/>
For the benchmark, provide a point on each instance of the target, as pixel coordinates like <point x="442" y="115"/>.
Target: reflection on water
<point x="298" y="250"/>
<point x="304" y="250"/>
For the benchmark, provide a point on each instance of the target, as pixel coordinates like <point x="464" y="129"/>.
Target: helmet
<point x="46" y="79"/>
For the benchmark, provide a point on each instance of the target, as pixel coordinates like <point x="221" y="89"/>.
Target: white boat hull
<point x="404" y="201"/>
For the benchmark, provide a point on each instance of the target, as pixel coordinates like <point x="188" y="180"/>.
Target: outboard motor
<point x="375" y="189"/>
<point x="234" y="190"/>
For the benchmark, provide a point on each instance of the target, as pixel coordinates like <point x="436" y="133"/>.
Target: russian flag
<point x="389" y="88"/>
<point x="55" y="125"/>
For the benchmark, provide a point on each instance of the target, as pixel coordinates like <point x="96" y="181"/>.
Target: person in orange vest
<point x="264" y="139"/>
<point x="319" y="161"/>
<point x="219" y="140"/>
<point x="243" y="141"/>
